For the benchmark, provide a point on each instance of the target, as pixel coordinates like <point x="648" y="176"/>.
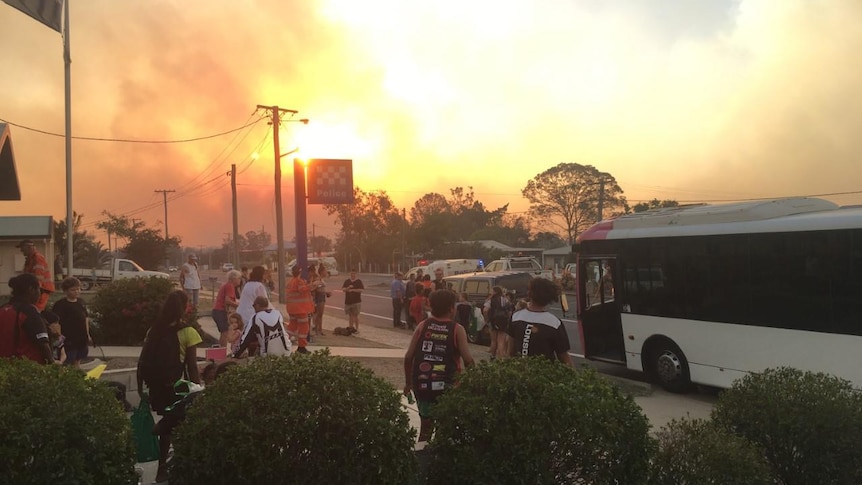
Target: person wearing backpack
<point x="267" y="331"/>
<point x="23" y="331"/>
<point x="169" y="352"/>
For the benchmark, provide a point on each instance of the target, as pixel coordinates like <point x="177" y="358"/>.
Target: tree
<point x="257" y="241"/>
<point x="567" y="196"/>
<point x="428" y="206"/>
<point x="436" y="220"/>
<point x="654" y="204"/>
<point x="87" y="252"/>
<point x="145" y="246"/>
<point x="320" y="244"/>
<point x="370" y="227"/>
<point x="549" y="240"/>
<point x="512" y="230"/>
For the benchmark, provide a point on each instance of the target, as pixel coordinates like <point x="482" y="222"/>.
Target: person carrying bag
<point x="146" y="443"/>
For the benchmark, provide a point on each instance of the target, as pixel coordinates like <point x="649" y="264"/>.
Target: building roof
<point x="560" y="251"/>
<point x="287" y="246"/>
<point x="9" y="188"/>
<point x="22" y="227"/>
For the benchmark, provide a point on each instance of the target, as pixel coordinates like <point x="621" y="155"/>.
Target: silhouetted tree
<point x="654" y="204"/>
<point x="567" y="197"/>
<point x="144" y="245"/>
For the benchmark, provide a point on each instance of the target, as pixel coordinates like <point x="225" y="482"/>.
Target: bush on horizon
<point x="60" y="427"/>
<point x="300" y="419"/>
<point x="124" y="310"/>
<point x="808" y="424"/>
<point x="531" y="420"/>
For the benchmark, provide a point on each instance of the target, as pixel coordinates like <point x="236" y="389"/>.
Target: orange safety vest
<point x="35" y="264"/>
<point x="299" y="299"/>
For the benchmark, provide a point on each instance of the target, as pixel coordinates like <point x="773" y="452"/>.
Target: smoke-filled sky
<point x="692" y="100"/>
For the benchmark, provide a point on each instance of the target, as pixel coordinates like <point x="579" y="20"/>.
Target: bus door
<point x="601" y="327"/>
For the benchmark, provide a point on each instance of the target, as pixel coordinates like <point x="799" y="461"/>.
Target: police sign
<point x="330" y="181"/>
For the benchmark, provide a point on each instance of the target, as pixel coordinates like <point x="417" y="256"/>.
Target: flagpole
<point x="67" y="63"/>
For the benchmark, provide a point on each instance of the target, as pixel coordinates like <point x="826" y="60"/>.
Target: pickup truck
<point x="522" y="264"/>
<point x="117" y="269"/>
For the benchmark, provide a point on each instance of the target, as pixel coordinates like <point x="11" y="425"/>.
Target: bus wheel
<point x="86" y="285"/>
<point x="668" y="367"/>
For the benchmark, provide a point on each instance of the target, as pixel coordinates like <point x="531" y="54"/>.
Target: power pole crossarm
<point x="164" y="193"/>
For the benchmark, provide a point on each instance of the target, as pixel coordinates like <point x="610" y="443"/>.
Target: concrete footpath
<point x="659" y="407"/>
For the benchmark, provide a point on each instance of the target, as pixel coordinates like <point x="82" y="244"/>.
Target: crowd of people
<point x="28" y="329"/>
<point x="439" y="348"/>
<point x="249" y="325"/>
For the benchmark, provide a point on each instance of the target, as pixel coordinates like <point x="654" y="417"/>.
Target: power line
<point x="223" y="150"/>
<point x="198" y="189"/>
<point x="125" y="140"/>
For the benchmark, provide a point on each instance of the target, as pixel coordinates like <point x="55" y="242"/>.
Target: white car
<point x="524" y="264"/>
<point x="227" y="267"/>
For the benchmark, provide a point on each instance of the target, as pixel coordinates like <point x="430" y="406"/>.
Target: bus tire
<point x="668" y="367"/>
<point x="86" y="284"/>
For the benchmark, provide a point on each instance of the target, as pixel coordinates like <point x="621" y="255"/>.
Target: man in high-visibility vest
<point x="300" y="304"/>
<point x="35" y="264"/>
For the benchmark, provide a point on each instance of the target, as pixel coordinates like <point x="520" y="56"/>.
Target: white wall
<point x="12" y="261"/>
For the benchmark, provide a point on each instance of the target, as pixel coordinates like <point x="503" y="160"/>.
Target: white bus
<point x="705" y="294"/>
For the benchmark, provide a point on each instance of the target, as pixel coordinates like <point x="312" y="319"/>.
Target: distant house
<point x="508" y="250"/>
<point x="270" y="253"/>
<point x="12" y="230"/>
<point x="557" y="258"/>
<point x="15" y="228"/>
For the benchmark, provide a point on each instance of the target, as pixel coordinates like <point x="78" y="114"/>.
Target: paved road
<point x="377" y="312"/>
<point x="377" y="306"/>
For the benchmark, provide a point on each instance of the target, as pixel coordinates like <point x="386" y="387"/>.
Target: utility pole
<point x="276" y="113"/>
<point x="165" y="197"/>
<point x="235" y="217"/>
<point x="601" y="197"/>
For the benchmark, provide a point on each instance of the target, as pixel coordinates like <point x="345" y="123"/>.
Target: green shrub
<point x="60" y="427"/>
<point x="808" y="424"/>
<point x="536" y="421"/>
<point x="697" y="452"/>
<point x="300" y="419"/>
<point x="124" y="310"/>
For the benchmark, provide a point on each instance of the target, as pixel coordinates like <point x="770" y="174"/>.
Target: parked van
<point x="478" y="286"/>
<point x="328" y="262"/>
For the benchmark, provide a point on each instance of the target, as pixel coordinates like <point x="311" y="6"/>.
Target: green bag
<point x="146" y="443"/>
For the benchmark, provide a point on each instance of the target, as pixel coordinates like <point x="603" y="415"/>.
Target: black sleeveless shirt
<point x="435" y="360"/>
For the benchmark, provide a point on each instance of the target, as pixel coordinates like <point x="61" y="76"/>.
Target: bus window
<point x="592" y="284"/>
<point x="606" y="282"/>
<point x="600" y="283"/>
